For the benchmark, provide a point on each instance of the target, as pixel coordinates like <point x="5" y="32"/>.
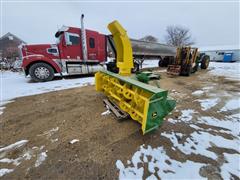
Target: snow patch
<point x="11" y="80"/>
<point x="199" y="142"/>
<point x="49" y="133"/>
<point x="14" y="146"/>
<point x="198" y="93"/>
<point x="168" y="168"/>
<point x="74" y="141"/>
<point x="1" y="110"/>
<point x="231" y="105"/>
<point x="208" y="103"/>
<point x="231" y="166"/>
<point x="173" y="121"/>
<point x="41" y="157"/>
<point x="232" y="124"/>
<point x="150" y="63"/>
<point x="5" y="171"/>
<point x="208" y="88"/>
<point x="187" y="115"/>
<point x="229" y="70"/>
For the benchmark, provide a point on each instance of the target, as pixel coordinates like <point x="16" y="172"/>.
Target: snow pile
<point x="156" y="158"/>
<point x="229" y="70"/>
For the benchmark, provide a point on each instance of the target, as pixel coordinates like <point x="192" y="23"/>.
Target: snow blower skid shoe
<point x="146" y="104"/>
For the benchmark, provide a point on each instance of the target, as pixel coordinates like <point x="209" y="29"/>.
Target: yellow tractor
<point x="187" y="61"/>
<point x="144" y="103"/>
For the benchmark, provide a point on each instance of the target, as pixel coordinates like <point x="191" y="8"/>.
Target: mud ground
<point x="76" y="114"/>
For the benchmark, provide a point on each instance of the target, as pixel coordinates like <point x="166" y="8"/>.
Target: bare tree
<point x="178" y="36"/>
<point x="149" y="38"/>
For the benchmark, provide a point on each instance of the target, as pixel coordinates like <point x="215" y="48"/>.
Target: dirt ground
<point x="50" y="121"/>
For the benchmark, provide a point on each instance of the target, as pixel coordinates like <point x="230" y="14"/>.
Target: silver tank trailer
<point x="145" y="50"/>
<point x="151" y="49"/>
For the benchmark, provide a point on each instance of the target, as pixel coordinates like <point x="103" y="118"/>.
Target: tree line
<point x="175" y="36"/>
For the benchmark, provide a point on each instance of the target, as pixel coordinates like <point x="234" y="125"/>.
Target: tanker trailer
<point x="143" y="50"/>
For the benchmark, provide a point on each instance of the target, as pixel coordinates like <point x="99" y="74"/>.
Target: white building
<point x="222" y="53"/>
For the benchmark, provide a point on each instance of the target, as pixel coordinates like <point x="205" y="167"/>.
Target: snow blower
<point x="145" y="104"/>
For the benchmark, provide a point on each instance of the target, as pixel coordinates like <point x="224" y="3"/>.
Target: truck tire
<point x="41" y="72"/>
<point x="205" y="62"/>
<point x="160" y="62"/>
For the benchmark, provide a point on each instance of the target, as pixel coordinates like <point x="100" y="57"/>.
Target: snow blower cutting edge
<point x="145" y="104"/>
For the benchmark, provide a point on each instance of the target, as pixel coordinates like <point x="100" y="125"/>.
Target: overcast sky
<point x="215" y="23"/>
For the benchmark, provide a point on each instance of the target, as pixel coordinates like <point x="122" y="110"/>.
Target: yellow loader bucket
<point x="146" y="104"/>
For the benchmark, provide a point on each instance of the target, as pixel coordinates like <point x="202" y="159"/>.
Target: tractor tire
<point x="205" y="62"/>
<point x="195" y="68"/>
<point x="41" y="72"/>
<point x="189" y="71"/>
<point x="186" y="71"/>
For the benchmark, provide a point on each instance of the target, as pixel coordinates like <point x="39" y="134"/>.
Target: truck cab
<point x="66" y="57"/>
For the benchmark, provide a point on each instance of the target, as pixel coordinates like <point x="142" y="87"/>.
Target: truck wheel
<point x="160" y="62"/>
<point x="41" y="72"/>
<point x="205" y="62"/>
<point x="135" y="68"/>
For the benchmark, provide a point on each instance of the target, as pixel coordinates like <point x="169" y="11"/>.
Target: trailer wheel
<point x="112" y="66"/>
<point x="164" y="62"/>
<point x="41" y="72"/>
<point x="160" y="63"/>
<point x="205" y="62"/>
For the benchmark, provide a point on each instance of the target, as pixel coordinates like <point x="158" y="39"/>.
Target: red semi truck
<point x="80" y="51"/>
